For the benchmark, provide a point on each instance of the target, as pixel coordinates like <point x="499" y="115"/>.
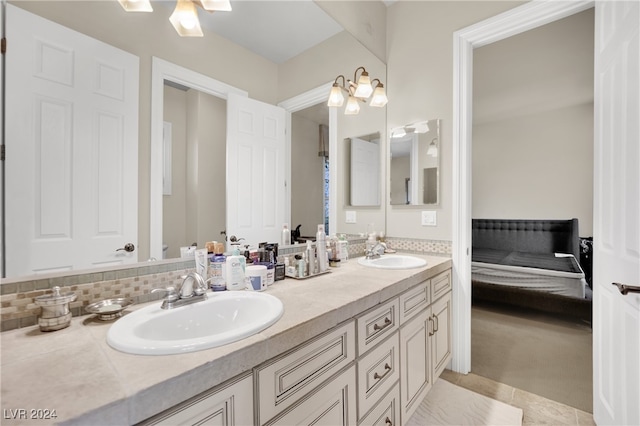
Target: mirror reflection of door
<point x="194" y="211"/>
<point x="309" y="169"/>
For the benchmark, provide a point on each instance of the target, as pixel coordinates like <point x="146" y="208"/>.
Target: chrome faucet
<point x="186" y="294"/>
<point x="376" y="251"/>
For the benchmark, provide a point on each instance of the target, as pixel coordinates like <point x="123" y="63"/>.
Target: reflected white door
<point x="72" y="148"/>
<point x="365" y="173"/>
<point x="255" y="170"/>
<point x="616" y="317"/>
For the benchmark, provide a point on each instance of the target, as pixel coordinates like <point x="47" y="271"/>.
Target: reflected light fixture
<point x="185" y="16"/>
<point x="432" y="151"/>
<point x="359" y="90"/>
<point x="136" y="5"/>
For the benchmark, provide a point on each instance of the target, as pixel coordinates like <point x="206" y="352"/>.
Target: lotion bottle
<point x="217" y="268"/>
<point x="286" y="235"/>
<point x="236" y="266"/>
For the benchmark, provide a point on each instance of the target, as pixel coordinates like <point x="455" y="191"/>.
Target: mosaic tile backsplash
<point x="18" y="308"/>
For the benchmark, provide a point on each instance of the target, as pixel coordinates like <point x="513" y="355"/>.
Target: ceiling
<point x="276" y="30"/>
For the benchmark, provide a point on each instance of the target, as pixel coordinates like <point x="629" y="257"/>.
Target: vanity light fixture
<point x="358" y="89"/>
<point x="185" y="16"/>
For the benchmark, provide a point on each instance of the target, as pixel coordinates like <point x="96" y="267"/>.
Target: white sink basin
<point x="393" y="261"/>
<point x="223" y="318"/>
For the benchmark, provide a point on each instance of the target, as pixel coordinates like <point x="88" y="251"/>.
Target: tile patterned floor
<point x="537" y="410"/>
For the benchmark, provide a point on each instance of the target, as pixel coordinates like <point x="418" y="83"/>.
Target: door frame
<point x="515" y="21"/>
<point x="162" y="70"/>
<point x="305" y="100"/>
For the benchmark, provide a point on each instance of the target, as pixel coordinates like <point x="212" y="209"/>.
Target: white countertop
<point x="76" y="373"/>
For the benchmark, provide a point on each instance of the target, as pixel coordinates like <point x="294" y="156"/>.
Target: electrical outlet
<point x="350" y="216"/>
<point x="429" y="218"/>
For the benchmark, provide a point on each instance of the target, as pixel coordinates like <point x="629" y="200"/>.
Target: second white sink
<point x="223" y="318"/>
<point x="394" y="261"/>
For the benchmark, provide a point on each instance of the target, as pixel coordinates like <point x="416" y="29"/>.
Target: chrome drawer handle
<point x="387" y="421"/>
<point x="387" y="323"/>
<point x="624" y="288"/>
<point x="387" y="367"/>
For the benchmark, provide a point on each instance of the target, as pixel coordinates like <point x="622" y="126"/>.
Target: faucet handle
<point x="171" y="296"/>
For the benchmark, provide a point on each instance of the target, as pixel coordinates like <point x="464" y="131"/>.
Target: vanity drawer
<point x="378" y="371"/>
<point x="376" y="325"/>
<point x="386" y="412"/>
<point x="414" y="300"/>
<point x="286" y="379"/>
<point x="440" y="285"/>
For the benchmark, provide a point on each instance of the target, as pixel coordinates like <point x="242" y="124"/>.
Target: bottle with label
<point x="217" y="268"/>
<point x="286" y="235"/>
<point x="236" y="266"/>
<point x="321" y="249"/>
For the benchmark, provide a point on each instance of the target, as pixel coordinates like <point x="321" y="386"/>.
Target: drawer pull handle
<point x="387" y="368"/>
<point x="435" y="317"/>
<point x="387" y="323"/>
<point x="388" y="421"/>
<point x="432" y="328"/>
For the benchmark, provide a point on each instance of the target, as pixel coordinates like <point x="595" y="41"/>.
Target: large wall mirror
<point x="414" y="158"/>
<point x="154" y="37"/>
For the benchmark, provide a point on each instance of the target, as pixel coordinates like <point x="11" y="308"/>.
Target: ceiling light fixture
<point x="185" y="16"/>
<point x="358" y="89"/>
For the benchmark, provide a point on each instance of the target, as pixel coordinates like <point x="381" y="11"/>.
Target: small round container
<point x="271" y="271"/>
<point x="55" y="310"/>
<point x="256" y="277"/>
<point x="108" y="309"/>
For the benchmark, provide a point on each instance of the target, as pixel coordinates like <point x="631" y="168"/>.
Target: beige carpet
<point x="448" y="404"/>
<point x="537" y="353"/>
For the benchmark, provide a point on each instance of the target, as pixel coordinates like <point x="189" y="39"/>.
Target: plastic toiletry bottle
<point x="236" y="266"/>
<point x="217" y="268"/>
<point x="321" y="249"/>
<point x="286" y="235"/>
<point x="310" y="258"/>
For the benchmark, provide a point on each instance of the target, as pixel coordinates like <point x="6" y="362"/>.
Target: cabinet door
<point x="377" y="372"/>
<point x="229" y="405"/>
<point x="332" y="404"/>
<point x="387" y="410"/>
<point x="415" y="362"/>
<point x="441" y="338"/>
<point x="283" y="381"/>
<point x="376" y="325"/>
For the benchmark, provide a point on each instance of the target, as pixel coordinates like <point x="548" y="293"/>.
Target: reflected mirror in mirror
<point x="414" y="170"/>
<point x="364" y="188"/>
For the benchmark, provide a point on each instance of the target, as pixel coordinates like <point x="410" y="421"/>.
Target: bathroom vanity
<point x="356" y="346"/>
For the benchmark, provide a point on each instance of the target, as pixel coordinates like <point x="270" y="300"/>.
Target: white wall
<point x="420" y="87"/>
<point x="533" y="124"/>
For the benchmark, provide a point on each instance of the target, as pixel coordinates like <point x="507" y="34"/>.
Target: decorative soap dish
<point x="108" y="309"/>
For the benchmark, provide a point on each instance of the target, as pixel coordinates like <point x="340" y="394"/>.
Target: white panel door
<point x="365" y="173"/>
<point x="255" y="170"/>
<point x="72" y="148"/>
<point x="616" y="317"/>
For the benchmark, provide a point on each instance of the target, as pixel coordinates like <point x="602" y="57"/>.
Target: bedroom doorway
<point x="521" y="154"/>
